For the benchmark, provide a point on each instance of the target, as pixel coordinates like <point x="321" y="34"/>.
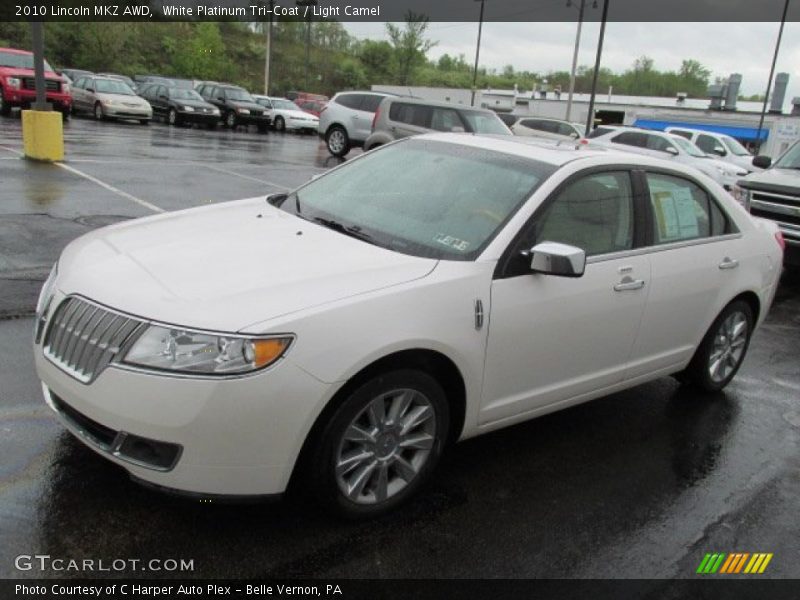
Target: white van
<point x="717" y="145"/>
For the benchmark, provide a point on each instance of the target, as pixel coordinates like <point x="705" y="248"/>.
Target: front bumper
<point x="23" y="98"/>
<point x="262" y="120"/>
<point x="235" y="437"/>
<point x="198" y="117"/>
<point x="127" y="112"/>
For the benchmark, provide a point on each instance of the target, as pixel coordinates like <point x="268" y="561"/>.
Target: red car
<point x="18" y="86"/>
<point x="313" y="107"/>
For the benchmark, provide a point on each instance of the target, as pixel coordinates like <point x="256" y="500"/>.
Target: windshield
<point x="112" y="86"/>
<point x="238" y="94"/>
<point x="285" y="105"/>
<point x="790" y="160"/>
<point x="19" y="61"/>
<point x="687" y="146"/>
<point x="734" y="146"/>
<point x="181" y="94"/>
<point x="424" y="198"/>
<point x="485" y="123"/>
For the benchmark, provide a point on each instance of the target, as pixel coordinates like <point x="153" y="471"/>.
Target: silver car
<point x="399" y="117"/>
<point x="109" y="98"/>
<point x="346" y="121"/>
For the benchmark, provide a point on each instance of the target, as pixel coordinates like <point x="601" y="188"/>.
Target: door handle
<point x="728" y="263"/>
<point x="628" y="283"/>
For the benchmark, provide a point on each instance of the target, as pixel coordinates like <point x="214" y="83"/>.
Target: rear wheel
<point x="337" y="141"/>
<point x="381" y="444"/>
<point x="723" y="349"/>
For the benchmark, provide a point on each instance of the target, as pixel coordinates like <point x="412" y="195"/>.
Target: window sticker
<point x="676" y="216"/>
<point x="451" y="242"/>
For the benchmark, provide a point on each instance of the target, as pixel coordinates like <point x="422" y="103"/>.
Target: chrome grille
<point x="51" y="85"/>
<point x="83" y="337"/>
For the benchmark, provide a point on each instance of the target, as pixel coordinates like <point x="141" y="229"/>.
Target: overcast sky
<point x="724" y="48"/>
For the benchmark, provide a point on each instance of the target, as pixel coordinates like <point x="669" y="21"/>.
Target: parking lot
<point x="640" y="484"/>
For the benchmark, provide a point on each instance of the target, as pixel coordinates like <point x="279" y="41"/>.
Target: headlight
<point x="186" y="108"/>
<point x="215" y="111"/>
<point x="65" y="87"/>
<point x="43" y="303"/>
<point x="179" y="350"/>
<point x="243" y="111"/>
<point x="13" y="82"/>
<point x="107" y="102"/>
<point x="741" y="195"/>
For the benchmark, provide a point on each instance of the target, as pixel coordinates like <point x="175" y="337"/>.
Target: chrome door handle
<point x="629" y="283"/>
<point x="728" y="263"/>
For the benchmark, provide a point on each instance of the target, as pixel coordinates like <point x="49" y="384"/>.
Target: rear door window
<point x="446" y="119"/>
<point x="417" y="115"/>
<point x="350" y="100"/>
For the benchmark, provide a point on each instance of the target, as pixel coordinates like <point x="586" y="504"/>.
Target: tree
<point x="410" y="46"/>
<point x="201" y="55"/>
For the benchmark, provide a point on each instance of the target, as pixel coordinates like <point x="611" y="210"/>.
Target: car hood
<point x="137" y="100"/>
<point x="192" y="103"/>
<point x="21" y="72"/>
<point x="227" y="266"/>
<point x="775" y="177"/>
<point x="299" y="114"/>
<point x="248" y="105"/>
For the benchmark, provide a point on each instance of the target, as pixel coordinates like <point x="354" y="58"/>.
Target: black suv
<point x="235" y="104"/>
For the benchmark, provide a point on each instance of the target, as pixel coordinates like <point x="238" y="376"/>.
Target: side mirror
<point x="220" y="98"/>
<point x="671" y="150"/>
<point x="276" y="199"/>
<point x="163" y="97"/>
<point x="720" y="151"/>
<point x="762" y="162"/>
<point x="553" y="258"/>
<point x="90" y="90"/>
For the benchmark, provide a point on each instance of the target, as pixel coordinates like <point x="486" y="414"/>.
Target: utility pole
<point x="590" y="116"/>
<point x="477" y="55"/>
<point x="268" y="56"/>
<point x="37" y="34"/>
<point x="771" y="74"/>
<point x="575" y="61"/>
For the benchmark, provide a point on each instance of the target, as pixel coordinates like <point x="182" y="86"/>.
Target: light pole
<point x="307" y="3"/>
<point x="590" y="116"/>
<point x="268" y="56"/>
<point x="771" y="73"/>
<point x="575" y="55"/>
<point x="477" y="54"/>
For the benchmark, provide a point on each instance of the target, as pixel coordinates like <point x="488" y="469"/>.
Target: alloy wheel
<point x="337" y="141"/>
<point x="172" y="117"/>
<point x="728" y="346"/>
<point x="386" y="446"/>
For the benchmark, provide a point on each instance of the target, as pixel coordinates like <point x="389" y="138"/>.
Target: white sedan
<point x="438" y="288"/>
<point x="287" y="116"/>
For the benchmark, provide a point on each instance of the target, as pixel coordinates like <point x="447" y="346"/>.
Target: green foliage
<point x="334" y="60"/>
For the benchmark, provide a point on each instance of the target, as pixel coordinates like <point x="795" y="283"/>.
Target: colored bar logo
<point x="734" y="563"/>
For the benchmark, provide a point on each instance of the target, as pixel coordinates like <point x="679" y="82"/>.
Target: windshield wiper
<point x="351" y="230"/>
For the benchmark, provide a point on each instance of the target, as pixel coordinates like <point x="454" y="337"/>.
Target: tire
<point x="65" y="115"/>
<point x="338" y="141"/>
<point x="722" y="351"/>
<point x="230" y="120"/>
<point x="144" y="121"/>
<point x="280" y="124"/>
<point x="99" y="115"/>
<point x="173" y="118"/>
<point x="380" y="465"/>
<point x="5" y="107"/>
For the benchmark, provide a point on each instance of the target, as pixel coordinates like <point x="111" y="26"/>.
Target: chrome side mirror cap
<point x="553" y="258"/>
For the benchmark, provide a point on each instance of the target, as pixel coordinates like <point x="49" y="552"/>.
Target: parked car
<point x="398" y="117"/>
<point x="179" y="106"/>
<point x="312" y="107"/>
<point x="718" y="145"/>
<point x="346" y="121"/>
<point x="552" y="129"/>
<point x="774" y="193"/>
<point x="299" y="97"/>
<point x="124" y="78"/>
<point x="73" y="74"/>
<point x="287" y="116"/>
<point x="171" y="347"/>
<point x="18" y="85"/>
<point x="107" y="98"/>
<point x="670" y="146"/>
<point x="235" y="104"/>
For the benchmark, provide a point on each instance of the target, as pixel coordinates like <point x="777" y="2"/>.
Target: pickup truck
<point x="774" y="194"/>
<point x="18" y="86"/>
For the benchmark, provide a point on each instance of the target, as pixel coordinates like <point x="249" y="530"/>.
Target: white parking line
<point x="235" y="174"/>
<point x="17" y="152"/>
<point x="111" y="188"/>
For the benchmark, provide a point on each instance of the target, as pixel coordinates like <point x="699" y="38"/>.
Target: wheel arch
<point x="752" y="299"/>
<point x="432" y="362"/>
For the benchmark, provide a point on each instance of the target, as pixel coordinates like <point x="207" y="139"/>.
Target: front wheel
<point x="172" y="117"/>
<point x="230" y="120"/>
<point x="337" y="141"/>
<point x="280" y="124"/>
<point x="381" y="444"/>
<point x="5" y="107"/>
<point x="723" y="348"/>
<point x="98" y="112"/>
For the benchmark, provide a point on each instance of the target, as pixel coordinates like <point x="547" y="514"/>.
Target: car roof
<point x="15" y="51"/>
<point x="422" y="102"/>
<point x="693" y="130"/>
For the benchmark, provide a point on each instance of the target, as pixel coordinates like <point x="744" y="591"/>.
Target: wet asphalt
<point x="639" y="484"/>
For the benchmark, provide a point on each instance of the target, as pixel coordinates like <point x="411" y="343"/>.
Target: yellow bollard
<point x="43" y="134"/>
